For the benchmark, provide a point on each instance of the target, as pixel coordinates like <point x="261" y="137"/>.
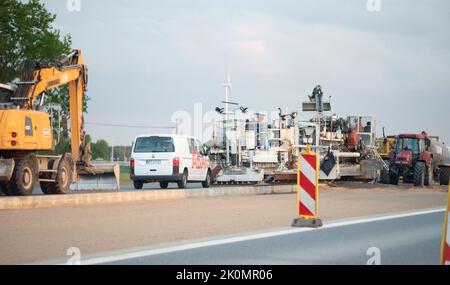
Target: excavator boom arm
<point x="37" y="80"/>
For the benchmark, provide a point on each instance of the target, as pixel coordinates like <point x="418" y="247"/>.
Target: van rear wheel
<point x="182" y="184"/>
<point x="138" y="184"/>
<point x="163" y="185"/>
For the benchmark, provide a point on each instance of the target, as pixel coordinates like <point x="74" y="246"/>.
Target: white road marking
<point x="150" y="252"/>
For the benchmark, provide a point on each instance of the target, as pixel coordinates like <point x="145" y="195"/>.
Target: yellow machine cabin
<point x="25" y="130"/>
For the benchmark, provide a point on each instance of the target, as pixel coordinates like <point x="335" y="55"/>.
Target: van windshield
<point x="154" y="144"/>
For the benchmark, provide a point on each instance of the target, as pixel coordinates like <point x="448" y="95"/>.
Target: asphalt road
<point x="402" y="240"/>
<point x="39" y="235"/>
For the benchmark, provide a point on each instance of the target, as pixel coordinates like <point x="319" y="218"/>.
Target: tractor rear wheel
<point x="445" y="175"/>
<point x="419" y="174"/>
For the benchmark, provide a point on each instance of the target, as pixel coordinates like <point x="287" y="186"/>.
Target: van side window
<point x="199" y="146"/>
<point x="192" y="146"/>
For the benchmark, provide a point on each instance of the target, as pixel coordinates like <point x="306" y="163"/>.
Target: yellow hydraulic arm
<point x="38" y="79"/>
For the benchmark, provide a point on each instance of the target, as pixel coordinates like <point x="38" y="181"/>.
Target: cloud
<point x="250" y="48"/>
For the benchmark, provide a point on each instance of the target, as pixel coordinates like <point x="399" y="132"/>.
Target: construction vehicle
<point x="263" y="148"/>
<point x="26" y="135"/>
<point x="385" y="145"/>
<point x="419" y="159"/>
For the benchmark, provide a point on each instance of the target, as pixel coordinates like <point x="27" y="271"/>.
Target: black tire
<point x="428" y="176"/>
<point x="408" y="179"/>
<point x="385" y="177"/>
<point x="138" y="184"/>
<point x="393" y="178"/>
<point x="163" y="185"/>
<point x="182" y="184"/>
<point x="207" y="182"/>
<point x="63" y="178"/>
<point x="4" y="189"/>
<point x="23" y="178"/>
<point x="419" y="174"/>
<point x="47" y="187"/>
<point x="444" y="176"/>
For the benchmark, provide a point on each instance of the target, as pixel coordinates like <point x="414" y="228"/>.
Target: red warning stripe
<point x="311" y="159"/>
<point x="303" y="210"/>
<point x="446" y="253"/>
<point x="308" y="186"/>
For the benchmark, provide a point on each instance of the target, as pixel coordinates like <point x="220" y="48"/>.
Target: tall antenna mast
<point x="227" y="86"/>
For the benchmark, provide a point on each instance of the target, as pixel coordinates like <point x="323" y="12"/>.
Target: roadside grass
<point x="125" y="174"/>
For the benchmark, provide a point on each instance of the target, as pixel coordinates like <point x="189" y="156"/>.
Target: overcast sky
<point x="148" y="59"/>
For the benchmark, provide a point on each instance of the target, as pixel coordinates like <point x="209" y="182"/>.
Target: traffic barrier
<point x="307" y="190"/>
<point x="445" y="252"/>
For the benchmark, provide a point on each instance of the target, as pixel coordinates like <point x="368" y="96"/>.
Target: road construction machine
<point x="385" y="145"/>
<point x="419" y="159"/>
<point x="26" y="133"/>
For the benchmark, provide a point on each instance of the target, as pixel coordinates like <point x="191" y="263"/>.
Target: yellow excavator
<point x="26" y="133"/>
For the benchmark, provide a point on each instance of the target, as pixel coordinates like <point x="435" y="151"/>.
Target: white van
<point x="169" y="158"/>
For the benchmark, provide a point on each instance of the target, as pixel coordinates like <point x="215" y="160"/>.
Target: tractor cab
<point x="407" y="149"/>
<point x="411" y="159"/>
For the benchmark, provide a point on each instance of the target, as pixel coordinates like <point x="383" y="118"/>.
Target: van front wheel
<point x="207" y="181"/>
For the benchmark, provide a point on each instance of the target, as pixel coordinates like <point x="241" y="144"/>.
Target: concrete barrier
<point x="86" y="199"/>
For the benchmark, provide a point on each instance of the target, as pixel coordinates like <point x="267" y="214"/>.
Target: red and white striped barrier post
<point x="445" y="252"/>
<point x="307" y="190"/>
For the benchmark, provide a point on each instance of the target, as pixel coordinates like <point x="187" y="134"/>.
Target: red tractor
<point x="412" y="159"/>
